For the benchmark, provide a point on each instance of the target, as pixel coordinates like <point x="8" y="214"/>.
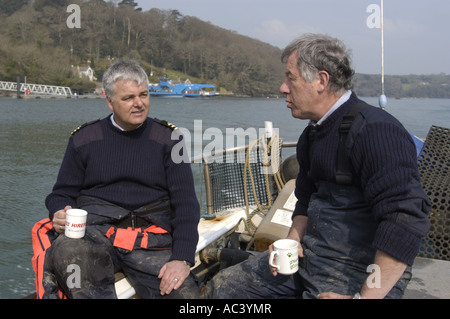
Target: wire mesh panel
<point x="434" y="169"/>
<point x="230" y="178"/>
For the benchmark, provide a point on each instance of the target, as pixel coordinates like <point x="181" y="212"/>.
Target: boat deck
<point x="431" y="280"/>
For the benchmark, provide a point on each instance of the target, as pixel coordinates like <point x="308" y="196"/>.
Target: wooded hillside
<point x="36" y="42"/>
<point x="420" y="86"/>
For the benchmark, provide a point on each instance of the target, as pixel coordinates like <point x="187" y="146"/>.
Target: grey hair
<point x="122" y="70"/>
<point x="318" y="52"/>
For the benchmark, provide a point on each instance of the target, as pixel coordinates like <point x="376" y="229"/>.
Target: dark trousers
<point x="252" y="279"/>
<point x="85" y="268"/>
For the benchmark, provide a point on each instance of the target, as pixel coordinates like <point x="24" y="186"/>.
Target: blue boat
<point x="166" y="88"/>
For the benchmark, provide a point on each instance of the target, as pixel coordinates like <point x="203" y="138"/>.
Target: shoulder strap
<point x="163" y="132"/>
<point x="165" y="123"/>
<point x="83" y="125"/>
<point x="311" y="138"/>
<point x="343" y="169"/>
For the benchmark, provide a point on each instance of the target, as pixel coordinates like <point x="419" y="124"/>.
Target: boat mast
<point x="382" y="101"/>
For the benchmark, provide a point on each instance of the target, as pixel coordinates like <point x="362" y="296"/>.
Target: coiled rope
<point x="271" y="161"/>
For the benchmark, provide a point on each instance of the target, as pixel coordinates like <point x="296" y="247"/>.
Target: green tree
<point x="8" y="7"/>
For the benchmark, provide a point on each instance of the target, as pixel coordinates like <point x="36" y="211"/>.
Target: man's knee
<point x="82" y="266"/>
<point x="231" y="282"/>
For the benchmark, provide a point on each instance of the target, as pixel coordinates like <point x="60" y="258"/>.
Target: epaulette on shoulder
<point x="167" y="124"/>
<point x="83" y="125"/>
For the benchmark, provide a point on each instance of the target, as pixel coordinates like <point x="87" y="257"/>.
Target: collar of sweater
<point x="115" y="127"/>
<point x="336" y="116"/>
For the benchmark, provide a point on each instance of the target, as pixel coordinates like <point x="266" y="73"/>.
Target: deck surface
<point x="430" y="280"/>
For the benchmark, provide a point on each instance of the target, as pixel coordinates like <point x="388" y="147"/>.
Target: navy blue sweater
<point x="130" y="169"/>
<point x="384" y="165"/>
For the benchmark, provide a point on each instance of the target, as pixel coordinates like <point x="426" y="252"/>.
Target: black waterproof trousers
<point x="86" y="267"/>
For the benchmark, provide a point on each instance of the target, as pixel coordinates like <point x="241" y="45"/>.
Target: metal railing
<point x="36" y="88"/>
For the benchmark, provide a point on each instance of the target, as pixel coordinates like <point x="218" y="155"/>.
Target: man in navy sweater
<point x="142" y="208"/>
<point x="358" y="237"/>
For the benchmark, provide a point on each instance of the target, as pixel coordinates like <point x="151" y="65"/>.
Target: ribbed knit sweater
<point x="130" y="169"/>
<point x="384" y="165"/>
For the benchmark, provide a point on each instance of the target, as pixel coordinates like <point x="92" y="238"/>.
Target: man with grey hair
<point x="360" y="206"/>
<point x="142" y="208"/>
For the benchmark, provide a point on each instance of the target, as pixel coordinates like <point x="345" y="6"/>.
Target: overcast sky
<point x="416" y="31"/>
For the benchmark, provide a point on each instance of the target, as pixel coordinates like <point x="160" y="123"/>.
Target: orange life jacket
<point x="42" y="235"/>
<point x="129" y="238"/>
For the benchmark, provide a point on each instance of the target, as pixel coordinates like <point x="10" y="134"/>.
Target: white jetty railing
<point x="30" y="88"/>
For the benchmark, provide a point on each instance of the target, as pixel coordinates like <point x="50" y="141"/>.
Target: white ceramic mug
<point x="75" y="223"/>
<point x="286" y="252"/>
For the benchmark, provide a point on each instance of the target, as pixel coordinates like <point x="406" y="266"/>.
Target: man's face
<point x="301" y="95"/>
<point x="130" y="104"/>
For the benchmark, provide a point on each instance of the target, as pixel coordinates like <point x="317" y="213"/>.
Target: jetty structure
<point x="36" y="89"/>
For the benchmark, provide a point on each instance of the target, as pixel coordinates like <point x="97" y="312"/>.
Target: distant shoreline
<point x="12" y="95"/>
<point x="48" y="96"/>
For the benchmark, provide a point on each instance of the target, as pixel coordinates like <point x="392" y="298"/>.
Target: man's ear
<point x="109" y="102"/>
<point x="324" y="80"/>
